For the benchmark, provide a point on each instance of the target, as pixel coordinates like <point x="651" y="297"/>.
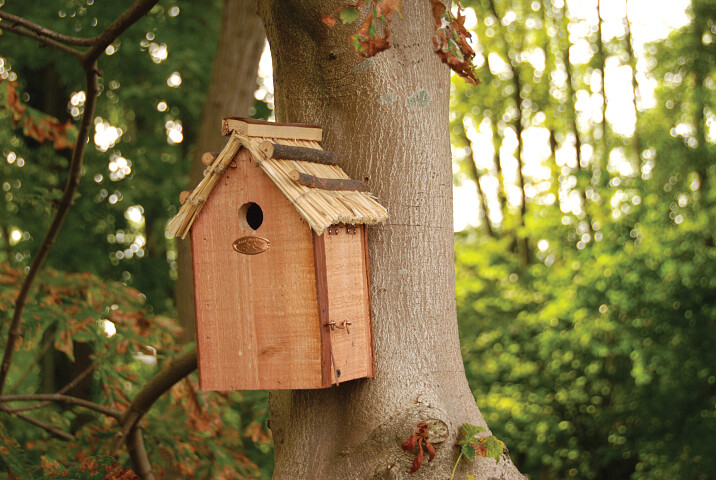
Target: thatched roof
<point x="320" y="208"/>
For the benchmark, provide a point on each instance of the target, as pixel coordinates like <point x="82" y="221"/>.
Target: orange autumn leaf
<point x="329" y="20"/>
<point x="438" y="10"/>
<point x="450" y="42"/>
<point x="34" y="123"/>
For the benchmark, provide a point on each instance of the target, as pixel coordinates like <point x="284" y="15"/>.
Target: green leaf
<point x="349" y="15"/>
<point x="371" y="29"/>
<point x="470" y="431"/>
<point x="494" y="447"/>
<point x="469" y="451"/>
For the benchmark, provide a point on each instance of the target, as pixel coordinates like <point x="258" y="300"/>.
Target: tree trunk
<point x="231" y="92"/>
<point x="388" y="117"/>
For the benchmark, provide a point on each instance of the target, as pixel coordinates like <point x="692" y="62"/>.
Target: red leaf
<point x="431" y="451"/>
<point x="368" y="47"/>
<point x="329" y="20"/>
<point x="409" y="444"/>
<point x="364" y="29"/>
<point x="418" y="462"/>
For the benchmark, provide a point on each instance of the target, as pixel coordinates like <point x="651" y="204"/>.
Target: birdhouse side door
<point x="344" y="303"/>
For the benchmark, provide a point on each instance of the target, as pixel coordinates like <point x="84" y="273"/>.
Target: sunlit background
<point x="585" y="287"/>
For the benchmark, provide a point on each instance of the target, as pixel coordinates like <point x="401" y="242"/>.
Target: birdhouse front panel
<point x="256" y="311"/>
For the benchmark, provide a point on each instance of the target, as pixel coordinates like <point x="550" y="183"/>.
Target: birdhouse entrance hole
<point x="251" y="216"/>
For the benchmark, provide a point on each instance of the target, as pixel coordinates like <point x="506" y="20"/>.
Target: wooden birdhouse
<point x="280" y="262"/>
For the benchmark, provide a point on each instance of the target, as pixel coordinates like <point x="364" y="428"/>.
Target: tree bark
<point x="388" y="116"/>
<point x="231" y="92"/>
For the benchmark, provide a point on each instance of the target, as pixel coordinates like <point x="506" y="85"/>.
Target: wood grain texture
<point x="319" y="253"/>
<point x="259" y="128"/>
<point x="347" y="302"/>
<point x="368" y="309"/>
<point x="257" y="315"/>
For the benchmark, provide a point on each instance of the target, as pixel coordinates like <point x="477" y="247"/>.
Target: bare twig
<point x="58" y="398"/>
<point x="77" y="379"/>
<point x="48" y="428"/>
<point x="89" y="64"/>
<point x="46" y="32"/>
<point x="64" y="204"/>
<point x="64" y="389"/>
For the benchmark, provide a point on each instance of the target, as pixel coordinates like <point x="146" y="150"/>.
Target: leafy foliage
<point x="34" y="123"/>
<point x="15" y="465"/>
<point x="79" y="312"/>
<point x="367" y="41"/>
<point x="451" y="41"/>
<point x="596" y="358"/>
<point x="153" y="83"/>
<point x="470" y="445"/>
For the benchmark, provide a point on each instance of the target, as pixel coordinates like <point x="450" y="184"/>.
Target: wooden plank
<point x="257" y="315"/>
<point x="348" y="301"/>
<point x="368" y="308"/>
<point x="303" y="154"/>
<point x="335" y="184"/>
<point x="260" y="128"/>
<point x="319" y="254"/>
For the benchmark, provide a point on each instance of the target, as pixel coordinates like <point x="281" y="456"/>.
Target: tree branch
<point x="73" y="180"/>
<point x="46" y="32"/>
<point x="116" y="28"/>
<point x="44" y="40"/>
<point x="138" y="455"/>
<point x="59" y="398"/>
<point x="48" y="428"/>
<point x="89" y="64"/>
<point x="180" y="367"/>
<point x="131" y="432"/>
<point x="64" y="389"/>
